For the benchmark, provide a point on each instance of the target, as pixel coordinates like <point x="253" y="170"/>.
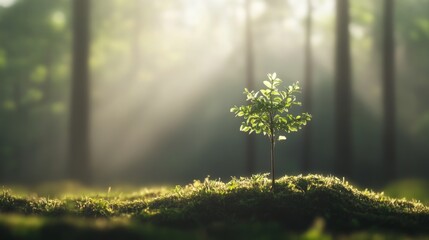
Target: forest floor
<point x="301" y="207"/>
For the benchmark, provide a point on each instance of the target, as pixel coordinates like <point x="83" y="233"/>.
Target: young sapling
<point x="268" y="112"/>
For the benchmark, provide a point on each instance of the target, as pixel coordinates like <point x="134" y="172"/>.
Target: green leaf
<point x="293" y="129"/>
<point x="274" y="76"/>
<point x="282" y="138"/>
<point x="268" y="84"/>
<point x="265" y="93"/>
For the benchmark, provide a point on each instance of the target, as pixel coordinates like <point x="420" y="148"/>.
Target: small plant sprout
<point x="268" y="112"/>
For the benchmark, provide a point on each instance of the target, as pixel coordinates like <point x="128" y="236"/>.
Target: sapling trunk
<point x="272" y="163"/>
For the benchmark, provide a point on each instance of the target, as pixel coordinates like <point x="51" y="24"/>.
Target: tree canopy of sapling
<point x="268" y="112"/>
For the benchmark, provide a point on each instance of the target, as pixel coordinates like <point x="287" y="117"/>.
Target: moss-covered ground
<point x="301" y="207"/>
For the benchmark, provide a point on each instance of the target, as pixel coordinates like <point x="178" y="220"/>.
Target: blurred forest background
<point x="139" y="91"/>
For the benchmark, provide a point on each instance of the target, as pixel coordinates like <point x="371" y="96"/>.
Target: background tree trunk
<point x="135" y="40"/>
<point x="250" y="139"/>
<point x="389" y="90"/>
<point x="21" y="136"/>
<point x="79" y="115"/>
<point x="342" y="91"/>
<point x="308" y="84"/>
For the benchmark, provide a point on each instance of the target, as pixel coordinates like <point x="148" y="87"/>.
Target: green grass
<point x="302" y="207"/>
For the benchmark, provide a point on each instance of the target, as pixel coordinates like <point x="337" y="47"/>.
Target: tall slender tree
<point x="342" y="90"/>
<point x="250" y="139"/>
<point x="79" y="116"/>
<point x="388" y="75"/>
<point x="308" y="83"/>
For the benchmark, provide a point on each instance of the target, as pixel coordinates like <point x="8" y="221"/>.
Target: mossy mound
<point x="295" y="203"/>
